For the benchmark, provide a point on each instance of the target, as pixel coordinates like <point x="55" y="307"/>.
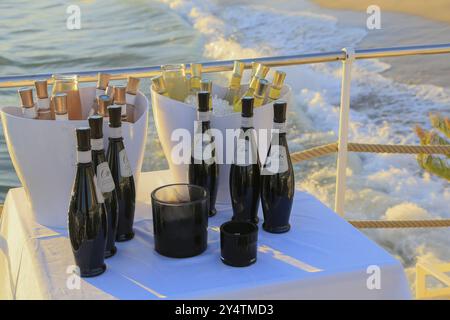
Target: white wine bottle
<point x="130" y="97"/>
<point x="234" y="87"/>
<point x="27" y="102"/>
<point x="102" y="84"/>
<point x="43" y="102"/>
<point x="260" y="93"/>
<point x="159" y="85"/>
<point x="276" y="86"/>
<point x="60" y="104"/>
<point x="175" y="78"/>
<point x="196" y="78"/>
<point x="206" y="85"/>
<point x="120" y="93"/>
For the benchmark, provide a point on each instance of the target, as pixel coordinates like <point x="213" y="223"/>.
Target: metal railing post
<point x="342" y="155"/>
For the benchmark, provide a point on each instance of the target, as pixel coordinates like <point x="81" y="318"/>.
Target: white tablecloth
<point x="322" y="257"/>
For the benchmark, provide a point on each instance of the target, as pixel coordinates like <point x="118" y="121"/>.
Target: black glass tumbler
<point x="238" y="243"/>
<point x="180" y="220"/>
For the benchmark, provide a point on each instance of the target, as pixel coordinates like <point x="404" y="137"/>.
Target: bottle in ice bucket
<point x="206" y="85"/>
<point x="122" y="175"/>
<point x="277" y="179"/>
<point x="69" y="84"/>
<point x="259" y="71"/>
<point x="87" y="214"/>
<point x="105" y="182"/>
<point x="276" y="86"/>
<point x="260" y="92"/>
<point x="245" y="171"/>
<point x="132" y="90"/>
<point x="104" y="101"/>
<point x="196" y="78"/>
<point x="234" y="87"/>
<point x="43" y="101"/>
<point x="203" y="169"/>
<point x="102" y="84"/>
<point x="120" y="93"/>
<point x="174" y="76"/>
<point x="59" y="101"/>
<point x="27" y="102"/>
<point x="159" y="85"/>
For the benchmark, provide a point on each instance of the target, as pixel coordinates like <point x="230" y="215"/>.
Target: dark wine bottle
<point x="122" y="175"/>
<point x="105" y="182"/>
<point x="203" y="169"/>
<point x="277" y="180"/>
<point x="245" y="171"/>
<point x="87" y="213"/>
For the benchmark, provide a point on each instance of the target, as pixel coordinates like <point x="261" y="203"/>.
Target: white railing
<point x="347" y="56"/>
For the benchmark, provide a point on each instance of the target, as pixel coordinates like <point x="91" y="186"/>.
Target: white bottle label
<point x="246" y="152"/>
<point x="104" y="178"/>
<point x="277" y="161"/>
<point x="125" y="168"/>
<point x="204" y="148"/>
<point x="99" y="194"/>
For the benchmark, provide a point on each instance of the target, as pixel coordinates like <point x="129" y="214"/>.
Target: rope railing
<point x="391" y="224"/>
<point x="380" y="148"/>
<point x="370" y="148"/>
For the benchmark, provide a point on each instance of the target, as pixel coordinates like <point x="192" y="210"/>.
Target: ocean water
<point x="387" y="99"/>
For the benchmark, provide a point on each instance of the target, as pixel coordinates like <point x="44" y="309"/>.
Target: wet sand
<point x="438" y="10"/>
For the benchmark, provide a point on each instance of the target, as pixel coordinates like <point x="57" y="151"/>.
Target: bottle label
<point x="130" y="99"/>
<point x="276" y="161"/>
<point x="246" y="122"/>
<point x="246" y="152"/>
<point x="97" y="144"/>
<point x="98" y="192"/>
<point x="43" y="104"/>
<point x="125" y="168"/>
<point x="204" y="148"/>
<point x="104" y="178"/>
<point x="29" y="113"/>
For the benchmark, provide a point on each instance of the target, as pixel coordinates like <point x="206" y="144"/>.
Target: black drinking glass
<point x="180" y="220"/>
<point x="238" y="243"/>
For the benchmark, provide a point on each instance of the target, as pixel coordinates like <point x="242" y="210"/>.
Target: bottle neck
<point x="130" y="99"/>
<point x="29" y="113"/>
<point x="84" y="157"/>
<point x="61" y="117"/>
<point x="97" y="144"/>
<point x="246" y="122"/>
<point x="115" y="133"/>
<point x="279" y="128"/>
<point x="203" y="116"/>
<point x="99" y="92"/>
<point x="43" y="104"/>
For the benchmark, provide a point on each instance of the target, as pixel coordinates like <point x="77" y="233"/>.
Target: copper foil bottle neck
<point x="133" y="85"/>
<point x="104" y="101"/>
<point x="103" y="80"/>
<point x="26" y="97"/>
<point x="60" y="103"/>
<point x="120" y="94"/>
<point x="41" y="89"/>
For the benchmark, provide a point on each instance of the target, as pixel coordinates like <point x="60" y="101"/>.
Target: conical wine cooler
<point x="43" y="153"/>
<point x="171" y="115"/>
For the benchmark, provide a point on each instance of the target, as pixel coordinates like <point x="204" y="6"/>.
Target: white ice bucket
<point x="171" y="114"/>
<point x="43" y="153"/>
